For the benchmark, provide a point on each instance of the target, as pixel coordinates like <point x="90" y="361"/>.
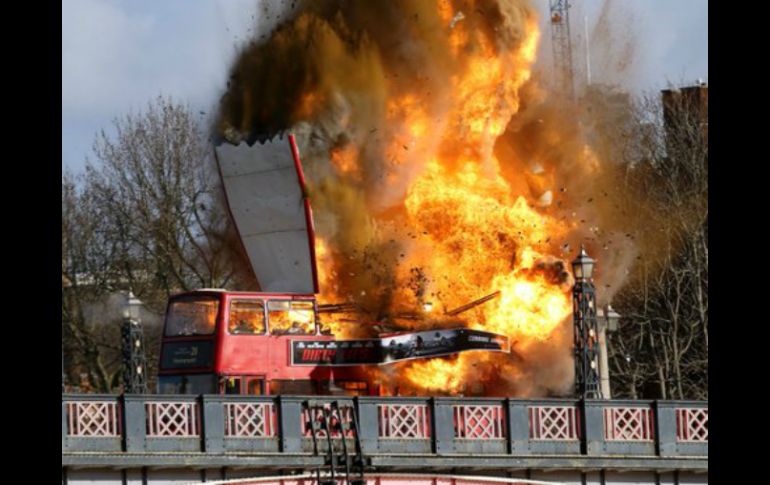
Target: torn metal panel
<point x="266" y="195"/>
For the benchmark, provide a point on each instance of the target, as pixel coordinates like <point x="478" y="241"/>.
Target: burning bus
<point x="273" y="342"/>
<point x="226" y="342"/>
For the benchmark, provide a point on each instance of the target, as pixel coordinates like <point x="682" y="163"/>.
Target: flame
<point x="471" y="232"/>
<point x="529" y="309"/>
<point x="325" y="270"/>
<point x="439" y="375"/>
<point x="309" y="104"/>
<point x="345" y="160"/>
<point x="492" y="241"/>
<point x="412" y="147"/>
<point x="481" y="237"/>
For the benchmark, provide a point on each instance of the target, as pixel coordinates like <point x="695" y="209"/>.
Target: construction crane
<point x="562" y="47"/>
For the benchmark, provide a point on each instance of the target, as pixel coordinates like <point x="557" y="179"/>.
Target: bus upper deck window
<point x="291" y="317"/>
<point x="192" y="316"/>
<point x="247" y="317"/>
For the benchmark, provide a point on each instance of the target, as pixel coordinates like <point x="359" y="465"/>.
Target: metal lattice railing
<point x="554" y="423"/>
<point x="628" y="424"/>
<point x="318" y="414"/>
<point x="249" y="420"/>
<point x="404" y="421"/>
<point x="479" y="422"/>
<point x="172" y="419"/>
<point x="392" y="424"/>
<point x="93" y="419"/>
<point x="692" y="425"/>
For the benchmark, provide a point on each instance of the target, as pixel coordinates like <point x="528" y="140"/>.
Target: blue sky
<point x="118" y="54"/>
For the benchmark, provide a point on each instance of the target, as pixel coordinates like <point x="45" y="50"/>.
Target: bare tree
<point x="146" y="217"/>
<point x="156" y="183"/>
<point x="662" y="347"/>
<point x="85" y="280"/>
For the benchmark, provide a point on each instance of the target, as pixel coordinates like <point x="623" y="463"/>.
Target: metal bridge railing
<point x="387" y="425"/>
<point x="250" y="420"/>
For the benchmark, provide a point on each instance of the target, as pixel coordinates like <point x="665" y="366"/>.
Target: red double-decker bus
<point x="217" y="341"/>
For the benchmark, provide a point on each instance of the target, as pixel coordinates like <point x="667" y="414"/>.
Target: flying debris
<point x="458" y="17"/>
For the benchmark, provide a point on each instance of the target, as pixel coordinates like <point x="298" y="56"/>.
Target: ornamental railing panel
<point x="628" y="424"/>
<point x="479" y="422"/>
<point x="93" y="419"/>
<point x="172" y="419"/>
<point x="250" y="420"/>
<point x="554" y="423"/>
<point x="692" y="425"/>
<point x="403" y="421"/>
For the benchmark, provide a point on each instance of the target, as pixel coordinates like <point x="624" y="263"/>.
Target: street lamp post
<point x="132" y="337"/>
<point x="587" y="381"/>
<point x="608" y="322"/>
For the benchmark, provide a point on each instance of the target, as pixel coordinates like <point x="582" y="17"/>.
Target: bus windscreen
<point x="192" y="316"/>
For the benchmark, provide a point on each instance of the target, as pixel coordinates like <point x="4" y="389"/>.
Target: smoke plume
<point x="441" y="170"/>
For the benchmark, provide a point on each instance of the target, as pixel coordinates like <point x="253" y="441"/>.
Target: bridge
<point x="294" y="440"/>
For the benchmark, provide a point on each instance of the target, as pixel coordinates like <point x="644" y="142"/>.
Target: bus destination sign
<point x="187" y="355"/>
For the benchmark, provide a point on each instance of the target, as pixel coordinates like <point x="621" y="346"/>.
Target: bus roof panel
<point x="265" y="192"/>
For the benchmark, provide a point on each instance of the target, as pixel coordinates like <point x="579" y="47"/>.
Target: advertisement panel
<point x="394" y="348"/>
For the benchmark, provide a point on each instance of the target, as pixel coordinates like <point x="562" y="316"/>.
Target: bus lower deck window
<point x="292" y="387"/>
<point x="344" y="388"/>
<point x="232" y="385"/>
<point x="255" y="386"/>
<point x="187" y="384"/>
